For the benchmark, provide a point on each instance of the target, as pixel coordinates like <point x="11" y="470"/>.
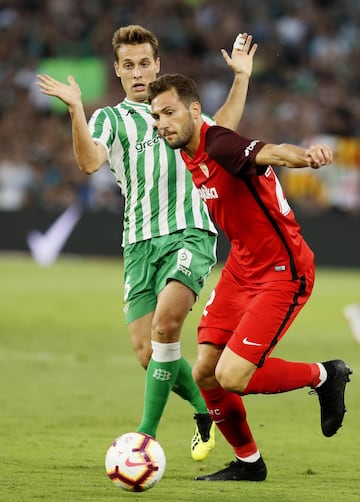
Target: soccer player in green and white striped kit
<point x="169" y="240"/>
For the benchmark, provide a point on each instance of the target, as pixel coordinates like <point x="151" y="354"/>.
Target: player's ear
<point x="195" y="109"/>
<point x="157" y="62"/>
<point x="116" y="69"/>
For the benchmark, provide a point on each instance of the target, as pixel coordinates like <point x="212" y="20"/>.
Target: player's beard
<point x="184" y="135"/>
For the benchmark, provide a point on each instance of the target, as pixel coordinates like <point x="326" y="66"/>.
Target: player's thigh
<point x="140" y="271"/>
<point x="271" y="309"/>
<point x="233" y="372"/>
<point x="186" y="260"/>
<point x="223" y="310"/>
<point x="174" y="303"/>
<point x="187" y="257"/>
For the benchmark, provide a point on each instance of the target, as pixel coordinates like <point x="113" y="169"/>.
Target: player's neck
<point x="192" y="146"/>
<point x="134" y="100"/>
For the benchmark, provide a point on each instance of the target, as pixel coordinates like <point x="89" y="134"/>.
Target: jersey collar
<point x="135" y="104"/>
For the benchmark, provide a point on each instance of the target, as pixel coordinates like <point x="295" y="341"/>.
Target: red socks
<point x="227" y="409"/>
<point x="228" y="412"/>
<point x="278" y="375"/>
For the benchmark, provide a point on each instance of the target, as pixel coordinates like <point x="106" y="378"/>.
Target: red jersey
<point x="246" y="201"/>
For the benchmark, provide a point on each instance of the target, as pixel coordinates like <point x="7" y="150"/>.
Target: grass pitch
<point x="70" y="384"/>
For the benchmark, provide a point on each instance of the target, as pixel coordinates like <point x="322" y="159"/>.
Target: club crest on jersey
<point x="204" y="169"/>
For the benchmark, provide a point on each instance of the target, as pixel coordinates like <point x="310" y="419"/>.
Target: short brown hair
<point x="132" y="35"/>
<point x="184" y="86"/>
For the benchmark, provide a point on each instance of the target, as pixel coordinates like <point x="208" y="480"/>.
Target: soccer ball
<point x="135" y="462"/>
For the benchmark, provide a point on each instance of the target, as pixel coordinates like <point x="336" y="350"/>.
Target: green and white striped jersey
<point x="160" y="197"/>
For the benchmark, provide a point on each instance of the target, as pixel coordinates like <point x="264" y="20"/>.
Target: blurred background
<point x="305" y="87"/>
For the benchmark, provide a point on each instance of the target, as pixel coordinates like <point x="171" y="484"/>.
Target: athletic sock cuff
<point x="165" y="352"/>
<point x="323" y="376"/>
<point x="249" y="458"/>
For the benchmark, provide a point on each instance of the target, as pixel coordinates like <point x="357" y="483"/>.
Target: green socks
<point x="160" y="378"/>
<point x="186" y="388"/>
<point x="161" y="375"/>
<point x="167" y="371"/>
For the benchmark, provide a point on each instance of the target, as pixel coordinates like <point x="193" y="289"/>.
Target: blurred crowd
<point x="306" y="78"/>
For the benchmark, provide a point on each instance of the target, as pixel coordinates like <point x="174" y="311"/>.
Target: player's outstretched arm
<point x="69" y="93"/>
<point x="294" y="156"/>
<point x="89" y="155"/>
<point x="241" y="63"/>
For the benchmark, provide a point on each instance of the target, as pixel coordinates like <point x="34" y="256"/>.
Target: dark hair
<point x="134" y="34"/>
<point x="184" y="86"/>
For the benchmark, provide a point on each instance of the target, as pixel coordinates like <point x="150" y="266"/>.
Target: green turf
<point x="70" y="384"/>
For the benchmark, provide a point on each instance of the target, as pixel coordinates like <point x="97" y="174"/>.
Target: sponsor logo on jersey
<point x="150" y="143"/>
<point x="250" y="147"/>
<point x="204" y="169"/>
<point x="208" y="193"/>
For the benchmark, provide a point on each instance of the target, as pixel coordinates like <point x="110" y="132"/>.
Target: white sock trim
<point x="323" y="375"/>
<point x="165" y="352"/>
<point x="252" y="458"/>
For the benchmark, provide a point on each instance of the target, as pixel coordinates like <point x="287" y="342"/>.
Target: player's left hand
<point x="318" y="155"/>
<point x="241" y="59"/>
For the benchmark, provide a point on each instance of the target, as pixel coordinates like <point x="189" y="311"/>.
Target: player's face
<point x="173" y="120"/>
<point x="136" y="68"/>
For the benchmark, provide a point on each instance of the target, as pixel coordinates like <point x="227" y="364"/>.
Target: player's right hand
<point x="70" y="93"/>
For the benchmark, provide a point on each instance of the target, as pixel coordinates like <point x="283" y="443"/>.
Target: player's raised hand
<point x="241" y="59"/>
<point x="70" y="93"/>
<point x="318" y="155"/>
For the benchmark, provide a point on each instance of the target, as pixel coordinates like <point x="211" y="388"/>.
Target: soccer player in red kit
<point x="267" y="279"/>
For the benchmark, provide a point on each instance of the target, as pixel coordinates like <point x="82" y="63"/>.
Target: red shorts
<point x="251" y="318"/>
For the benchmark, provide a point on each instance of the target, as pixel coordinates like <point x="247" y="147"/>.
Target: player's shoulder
<point x="105" y="111"/>
<point x="216" y="137"/>
<point x="215" y="131"/>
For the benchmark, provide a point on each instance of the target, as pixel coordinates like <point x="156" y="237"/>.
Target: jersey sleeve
<point x="101" y="129"/>
<point x="235" y="153"/>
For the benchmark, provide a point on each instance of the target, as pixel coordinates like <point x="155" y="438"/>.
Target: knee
<point x="166" y="328"/>
<point x="204" y="376"/>
<point x="198" y="375"/>
<point x="231" y="381"/>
